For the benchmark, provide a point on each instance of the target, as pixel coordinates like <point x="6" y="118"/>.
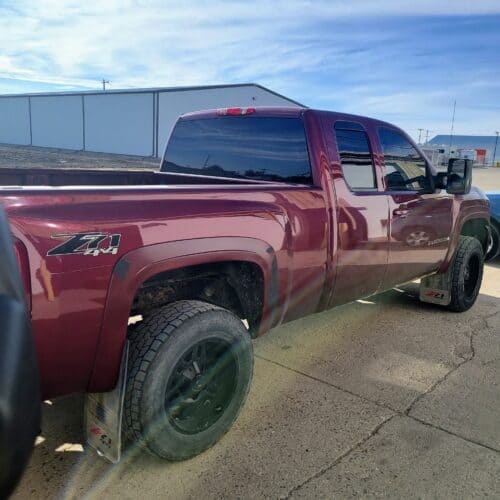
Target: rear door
<point x="420" y="219"/>
<point x="362" y="211"/>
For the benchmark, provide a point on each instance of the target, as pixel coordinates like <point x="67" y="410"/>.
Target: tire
<point x="466" y="274"/>
<point x="494" y="246"/>
<point x="190" y="370"/>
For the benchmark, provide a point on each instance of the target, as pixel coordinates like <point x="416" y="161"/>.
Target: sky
<point x="405" y="62"/>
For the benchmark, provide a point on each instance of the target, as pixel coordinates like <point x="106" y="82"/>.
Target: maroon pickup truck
<point x="154" y="283"/>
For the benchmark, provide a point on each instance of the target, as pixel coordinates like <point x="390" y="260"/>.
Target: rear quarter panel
<point x="73" y="319"/>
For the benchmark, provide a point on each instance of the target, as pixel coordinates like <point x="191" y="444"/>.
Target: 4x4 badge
<point x="86" y="244"/>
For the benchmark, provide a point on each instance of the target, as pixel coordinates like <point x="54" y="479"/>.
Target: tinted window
<point x="356" y="159"/>
<point x="261" y="148"/>
<point x="406" y="168"/>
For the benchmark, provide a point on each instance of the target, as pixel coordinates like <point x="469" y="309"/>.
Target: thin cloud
<point x="399" y="61"/>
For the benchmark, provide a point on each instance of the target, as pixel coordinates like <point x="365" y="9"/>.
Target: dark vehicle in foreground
<point x="257" y="217"/>
<point x="494" y="247"/>
<point x="19" y="383"/>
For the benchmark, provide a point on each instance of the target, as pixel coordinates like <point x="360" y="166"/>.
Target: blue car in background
<point x="494" y="249"/>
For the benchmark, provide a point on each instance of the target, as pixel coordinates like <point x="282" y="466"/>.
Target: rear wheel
<point x="190" y="371"/>
<point x="466" y="274"/>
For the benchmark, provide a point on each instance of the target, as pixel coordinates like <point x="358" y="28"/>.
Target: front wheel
<point x="190" y="370"/>
<point x="466" y="274"/>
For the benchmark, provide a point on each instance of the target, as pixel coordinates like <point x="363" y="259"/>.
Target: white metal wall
<point x="15" y="120"/>
<point x="57" y="121"/>
<point x="119" y="123"/>
<point x="123" y="122"/>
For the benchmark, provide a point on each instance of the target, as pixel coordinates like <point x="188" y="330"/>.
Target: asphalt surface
<point x="386" y="397"/>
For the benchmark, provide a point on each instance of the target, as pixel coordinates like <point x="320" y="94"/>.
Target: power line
<point x="452" y="123"/>
<point x="495" y="150"/>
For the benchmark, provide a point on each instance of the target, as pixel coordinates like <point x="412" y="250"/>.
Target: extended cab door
<point x="420" y="219"/>
<point x="362" y="211"/>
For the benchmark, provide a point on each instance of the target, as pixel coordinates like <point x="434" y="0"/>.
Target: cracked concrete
<point x="468" y="401"/>
<point x="385" y="398"/>
<point x="406" y="459"/>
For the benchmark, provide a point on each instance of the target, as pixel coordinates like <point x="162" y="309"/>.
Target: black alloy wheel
<point x="201" y="386"/>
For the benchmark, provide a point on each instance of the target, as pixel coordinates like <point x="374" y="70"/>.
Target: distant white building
<point x="440" y="154"/>
<point x="479" y="148"/>
<point x="134" y="122"/>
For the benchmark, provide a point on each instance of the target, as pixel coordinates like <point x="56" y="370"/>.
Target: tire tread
<point x="465" y="246"/>
<point x="146" y="340"/>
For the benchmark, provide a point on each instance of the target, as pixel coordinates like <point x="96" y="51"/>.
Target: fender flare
<point x="137" y="266"/>
<point x="457" y="231"/>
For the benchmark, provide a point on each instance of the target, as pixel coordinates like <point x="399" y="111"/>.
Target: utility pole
<point x="103" y="81"/>
<point x="427" y="132"/>
<point x="420" y="135"/>
<point x="495" y="150"/>
<point x="452" y="124"/>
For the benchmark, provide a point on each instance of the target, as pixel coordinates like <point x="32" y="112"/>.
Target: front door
<point x="420" y="220"/>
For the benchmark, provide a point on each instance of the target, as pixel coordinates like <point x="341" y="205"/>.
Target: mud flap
<point x="436" y="288"/>
<point x="103" y="416"/>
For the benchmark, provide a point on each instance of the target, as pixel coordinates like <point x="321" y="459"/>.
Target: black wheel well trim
<point x="236" y="285"/>
<point x="477" y="227"/>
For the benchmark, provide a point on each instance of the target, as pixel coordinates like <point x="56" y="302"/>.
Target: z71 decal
<point x="93" y="244"/>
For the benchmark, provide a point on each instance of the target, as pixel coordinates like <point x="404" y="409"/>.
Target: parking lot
<point x="383" y="397"/>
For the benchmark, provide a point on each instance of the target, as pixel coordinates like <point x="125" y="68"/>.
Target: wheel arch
<point x="473" y="224"/>
<point x="138" y="266"/>
<point x="477" y="227"/>
<point x="236" y="285"/>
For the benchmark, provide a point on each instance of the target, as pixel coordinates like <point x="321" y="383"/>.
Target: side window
<point x="355" y="158"/>
<point x="406" y="169"/>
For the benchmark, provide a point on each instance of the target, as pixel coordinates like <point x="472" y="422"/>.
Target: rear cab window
<point x="355" y="156"/>
<point x="261" y="148"/>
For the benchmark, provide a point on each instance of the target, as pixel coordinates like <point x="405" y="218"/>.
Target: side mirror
<point x="459" y="176"/>
<point x="19" y="381"/>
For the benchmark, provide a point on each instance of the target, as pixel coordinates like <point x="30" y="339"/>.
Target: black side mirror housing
<point x="459" y="176"/>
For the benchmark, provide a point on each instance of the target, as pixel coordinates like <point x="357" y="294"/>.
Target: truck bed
<point x="20" y="177"/>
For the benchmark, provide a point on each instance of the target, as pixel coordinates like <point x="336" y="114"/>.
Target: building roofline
<point x="278" y="95"/>
<point x="149" y="91"/>
<point x="462" y="136"/>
